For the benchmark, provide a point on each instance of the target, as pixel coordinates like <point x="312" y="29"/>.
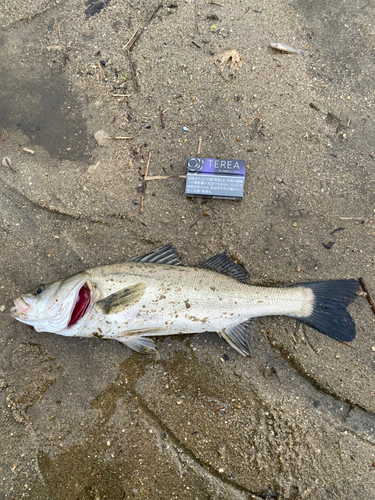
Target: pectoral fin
<point x="121" y="300"/>
<point x="239" y="337"/>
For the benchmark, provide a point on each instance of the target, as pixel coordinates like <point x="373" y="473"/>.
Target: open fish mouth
<point x="81" y="305"/>
<point x="20" y="308"/>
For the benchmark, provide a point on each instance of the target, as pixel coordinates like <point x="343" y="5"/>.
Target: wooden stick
<point x="255" y="117"/>
<point x="158" y="177"/>
<point x="196" y="18"/>
<point x="130" y="39"/>
<point x="351" y="218"/>
<point x="118" y="138"/>
<point x="120" y="95"/>
<point x="199" y="146"/>
<point x="342" y="112"/>
<point x="247" y="10"/>
<point x="222" y="133"/>
<point x="368" y="294"/>
<point x="28" y="151"/>
<point x="133" y="71"/>
<point x="143" y="192"/>
<point x="144" y="26"/>
<point x="101" y="69"/>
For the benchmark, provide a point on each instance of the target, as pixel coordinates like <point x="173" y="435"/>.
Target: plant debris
<point x="232" y="57"/>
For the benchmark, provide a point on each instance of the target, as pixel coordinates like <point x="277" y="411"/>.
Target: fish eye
<point x="39" y="289"/>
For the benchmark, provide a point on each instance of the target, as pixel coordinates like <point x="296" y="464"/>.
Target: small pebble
<point x="2" y="309"/>
<point x="108" y="443"/>
<point x="185" y="129"/>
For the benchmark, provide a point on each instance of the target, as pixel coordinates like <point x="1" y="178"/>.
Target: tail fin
<point x="329" y="315"/>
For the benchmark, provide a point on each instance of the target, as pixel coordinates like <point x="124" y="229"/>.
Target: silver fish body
<point x="132" y="301"/>
<point x="285" y="48"/>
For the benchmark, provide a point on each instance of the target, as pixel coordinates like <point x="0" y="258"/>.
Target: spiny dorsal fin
<point x="166" y="254"/>
<point x="239" y="337"/>
<point x="223" y="264"/>
<point x="121" y="300"/>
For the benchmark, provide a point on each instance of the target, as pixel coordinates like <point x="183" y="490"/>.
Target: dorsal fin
<point x="166" y="254"/>
<point x="121" y="300"/>
<point x="223" y="264"/>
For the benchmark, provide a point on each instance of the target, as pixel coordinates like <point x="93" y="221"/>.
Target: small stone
<point x="372" y="348"/>
<point x="108" y="443"/>
<point x="179" y="402"/>
<point x="294" y="224"/>
<point x="298" y="269"/>
<point x="2" y="309"/>
<point x="100" y="135"/>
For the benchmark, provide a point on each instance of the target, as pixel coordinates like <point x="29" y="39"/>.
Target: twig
<point x="342" y="342"/>
<point x="28" y="150"/>
<point x="222" y="133"/>
<point x="130" y="39"/>
<point x="133" y="71"/>
<point x="246" y="11"/>
<point x="135" y="39"/>
<point x="351" y="218"/>
<point x="255" y="117"/>
<point x="121" y="95"/>
<point x="342" y="112"/>
<point x="162" y="119"/>
<point x="347" y="125"/>
<point x="196" y="18"/>
<point x="118" y="138"/>
<point x="199" y="146"/>
<point x="196" y="220"/>
<point x="144" y="183"/>
<point x="58" y="30"/>
<point x="101" y="69"/>
<point x="368" y="294"/>
<point x="221" y="74"/>
<point x="215" y="3"/>
<point x="158" y="177"/>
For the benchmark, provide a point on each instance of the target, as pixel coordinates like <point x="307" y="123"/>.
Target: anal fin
<point x="239" y="337"/>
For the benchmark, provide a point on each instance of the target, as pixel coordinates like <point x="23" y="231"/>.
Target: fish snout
<point x="20" y="308"/>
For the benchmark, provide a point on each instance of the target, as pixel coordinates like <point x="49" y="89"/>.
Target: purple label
<point x="208" y="166"/>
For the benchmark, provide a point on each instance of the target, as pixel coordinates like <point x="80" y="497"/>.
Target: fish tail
<point x="329" y="314"/>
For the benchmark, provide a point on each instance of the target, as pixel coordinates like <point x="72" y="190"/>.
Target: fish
<point x="285" y="48"/>
<point x="155" y="294"/>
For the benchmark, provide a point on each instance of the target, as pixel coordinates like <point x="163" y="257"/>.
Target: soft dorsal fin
<point x="121" y="300"/>
<point x="239" y="336"/>
<point x="225" y="265"/>
<point x="166" y="254"/>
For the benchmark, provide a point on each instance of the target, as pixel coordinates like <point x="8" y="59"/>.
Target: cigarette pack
<point x="215" y="178"/>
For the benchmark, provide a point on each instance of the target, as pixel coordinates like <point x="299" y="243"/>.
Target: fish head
<point x="54" y="307"/>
